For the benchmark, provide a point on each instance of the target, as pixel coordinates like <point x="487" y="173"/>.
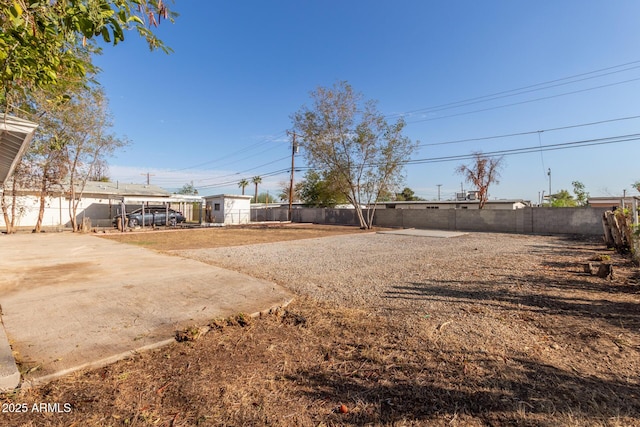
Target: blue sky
<point x="217" y="109"/>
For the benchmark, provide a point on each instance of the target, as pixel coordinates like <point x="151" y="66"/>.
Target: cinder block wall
<point x="584" y="221"/>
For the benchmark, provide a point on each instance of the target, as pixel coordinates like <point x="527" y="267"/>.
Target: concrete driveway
<point x="71" y="301"/>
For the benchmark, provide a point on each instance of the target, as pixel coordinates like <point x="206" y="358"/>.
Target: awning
<point x="15" y="136"/>
<point x="159" y="199"/>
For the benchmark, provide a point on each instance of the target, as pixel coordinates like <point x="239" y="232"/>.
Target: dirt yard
<point x="478" y="330"/>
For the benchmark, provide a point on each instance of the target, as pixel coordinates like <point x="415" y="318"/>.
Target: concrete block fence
<point x="582" y="221"/>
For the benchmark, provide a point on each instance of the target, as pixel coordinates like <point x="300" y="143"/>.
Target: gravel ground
<point x="383" y="271"/>
<point x="526" y="295"/>
<point x="477" y="330"/>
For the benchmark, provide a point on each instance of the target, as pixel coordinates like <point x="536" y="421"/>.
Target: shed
<point x="228" y="209"/>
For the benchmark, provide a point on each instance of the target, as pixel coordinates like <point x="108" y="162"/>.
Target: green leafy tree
<point x="407" y="195"/>
<point x="315" y="190"/>
<point x="563" y="199"/>
<point x="348" y="140"/>
<point x="267" y="198"/>
<point x="42" y="42"/>
<point x="636" y="185"/>
<point x="188" y="189"/>
<point x="582" y="196"/>
<point x="483" y="172"/>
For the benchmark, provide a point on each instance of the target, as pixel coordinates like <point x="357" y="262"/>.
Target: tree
<point x="318" y="191"/>
<point x="42" y="41"/>
<point x="284" y="191"/>
<point x="581" y="195"/>
<point x="100" y="171"/>
<point x="256" y="180"/>
<point x="483" y="172"/>
<point x="242" y="184"/>
<point x="407" y="195"/>
<point x="85" y="141"/>
<point x="562" y="199"/>
<point x="12" y="206"/>
<point x="188" y="189"/>
<point x="347" y="140"/>
<point x="48" y="165"/>
<point x="266" y="198"/>
<point x="636" y="185"/>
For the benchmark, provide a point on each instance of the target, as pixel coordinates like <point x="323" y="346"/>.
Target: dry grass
<point x="164" y="240"/>
<point x="297" y="367"/>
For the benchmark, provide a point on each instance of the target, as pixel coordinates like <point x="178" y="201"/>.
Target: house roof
<point x="15" y="136"/>
<point x="456" y="202"/>
<point x="121" y="189"/>
<point x="229" y="196"/>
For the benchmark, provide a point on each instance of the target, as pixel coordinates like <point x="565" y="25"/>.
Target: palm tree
<point x="242" y="184"/>
<point x="256" y="180"/>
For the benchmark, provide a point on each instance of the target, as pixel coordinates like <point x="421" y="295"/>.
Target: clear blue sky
<point x="216" y="110"/>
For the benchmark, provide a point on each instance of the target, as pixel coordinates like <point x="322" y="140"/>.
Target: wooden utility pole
<point x="294" y="150"/>
<point x="148" y="175"/>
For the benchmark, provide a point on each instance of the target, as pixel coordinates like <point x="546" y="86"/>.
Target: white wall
<point x="56" y="213"/>
<point x="232" y="210"/>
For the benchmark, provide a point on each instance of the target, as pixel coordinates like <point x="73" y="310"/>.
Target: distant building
<point x="464" y="203"/>
<point x="611" y="202"/>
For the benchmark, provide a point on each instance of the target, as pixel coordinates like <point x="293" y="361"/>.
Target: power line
<point x="523" y="102"/>
<point x="238" y="152"/>
<point x="462" y="157"/>
<point x="509" y="135"/>
<point x="262" y="175"/>
<point x="520" y="90"/>
<point x="534" y="149"/>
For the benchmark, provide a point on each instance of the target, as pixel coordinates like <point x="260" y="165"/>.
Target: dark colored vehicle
<point x="153" y="215"/>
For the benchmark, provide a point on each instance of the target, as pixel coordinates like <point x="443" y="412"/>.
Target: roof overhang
<point x="158" y="199"/>
<point x="15" y="136"/>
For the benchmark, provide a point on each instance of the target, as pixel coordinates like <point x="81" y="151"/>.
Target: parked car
<point x="153" y="215"/>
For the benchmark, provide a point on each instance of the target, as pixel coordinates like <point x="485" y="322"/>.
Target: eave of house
<point x="15" y="136"/>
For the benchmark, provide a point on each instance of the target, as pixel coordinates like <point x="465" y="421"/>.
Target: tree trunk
<point x="43" y="193"/>
<point x="5" y="214"/>
<point x="72" y="212"/>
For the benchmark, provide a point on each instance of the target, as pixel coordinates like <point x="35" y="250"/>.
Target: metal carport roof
<point x="15" y="136"/>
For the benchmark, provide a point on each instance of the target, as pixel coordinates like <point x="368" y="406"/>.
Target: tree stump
<point x="605" y="271"/>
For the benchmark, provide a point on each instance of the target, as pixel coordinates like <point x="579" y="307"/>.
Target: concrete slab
<point x="9" y="374"/>
<point x="425" y="233"/>
<point x="75" y="301"/>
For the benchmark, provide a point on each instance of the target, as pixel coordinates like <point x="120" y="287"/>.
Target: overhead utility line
<point x="484" y="138"/>
<point x="524" y="102"/>
<point x="235" y="153"/>
<point x="515" y="151"/>
<point x="520" y="90"/>
<point x="535" y="149"/>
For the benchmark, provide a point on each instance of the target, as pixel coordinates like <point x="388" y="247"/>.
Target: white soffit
<point x="15" y="136"/>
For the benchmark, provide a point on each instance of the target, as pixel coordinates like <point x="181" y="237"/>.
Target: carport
<point x="181" y="199"/>
<point x="15" y="136"/>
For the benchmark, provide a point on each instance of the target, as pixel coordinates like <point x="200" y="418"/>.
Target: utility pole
<point x="148" y="175"/>
<point x="439" y="185"/>
<point x="294" y="150"/>
<point x="549" y="173"/>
